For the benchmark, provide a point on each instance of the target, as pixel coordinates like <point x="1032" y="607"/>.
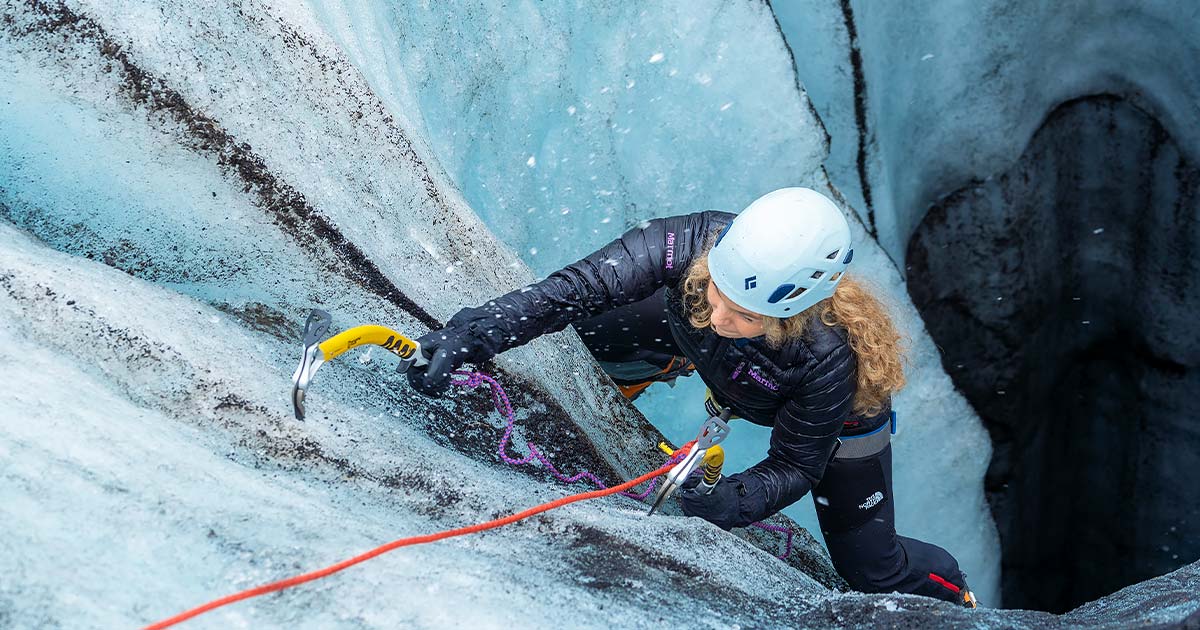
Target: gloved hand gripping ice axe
<point x="712" y="432"/>
<point x="317" y="352"/>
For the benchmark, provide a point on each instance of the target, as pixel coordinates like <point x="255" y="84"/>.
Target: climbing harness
<point x="705" y="450"/>
<point x="867" y="444"/>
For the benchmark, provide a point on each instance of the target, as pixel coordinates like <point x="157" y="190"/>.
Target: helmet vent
<point x="779" y="292"/>
<point x="832" y="255"/>
<point x="834" y="277"/>
<point x="817" y="274"/>
<point x="798" y="291"/>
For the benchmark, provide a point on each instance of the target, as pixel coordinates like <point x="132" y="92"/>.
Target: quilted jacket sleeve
<point x="624" y="271"/>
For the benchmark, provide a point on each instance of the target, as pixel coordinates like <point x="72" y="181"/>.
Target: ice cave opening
<point x="1061" y="291"/>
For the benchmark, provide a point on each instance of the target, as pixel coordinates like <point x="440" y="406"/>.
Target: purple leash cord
<point x="500" y="398"/>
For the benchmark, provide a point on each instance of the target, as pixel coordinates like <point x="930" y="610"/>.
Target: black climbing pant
<point x="633" y="344"/>
<point x="858" y="519"/>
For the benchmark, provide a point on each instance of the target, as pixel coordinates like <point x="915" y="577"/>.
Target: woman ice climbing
<point x="759" y="305"/>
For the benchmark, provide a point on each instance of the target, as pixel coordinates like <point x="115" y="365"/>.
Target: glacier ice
<point x="564" y="125"/>
<point x="1022" y="132"/>
<point x="154" y="473"/>
<point x="184" y="180"/>
<point x="953" y="93"/>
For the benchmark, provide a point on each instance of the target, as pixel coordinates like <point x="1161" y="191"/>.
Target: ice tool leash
<point x="681" y="463"/>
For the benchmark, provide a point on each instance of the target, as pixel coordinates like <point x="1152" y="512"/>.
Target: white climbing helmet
<point x="785" y="252"/>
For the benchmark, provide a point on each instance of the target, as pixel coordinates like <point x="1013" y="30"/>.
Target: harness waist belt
<point x="852" y="447"/>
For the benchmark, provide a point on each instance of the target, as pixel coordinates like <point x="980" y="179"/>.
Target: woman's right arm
<point x="628" y="269"/>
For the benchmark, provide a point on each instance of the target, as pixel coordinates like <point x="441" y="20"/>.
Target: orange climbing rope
<point x="404" y="542"/>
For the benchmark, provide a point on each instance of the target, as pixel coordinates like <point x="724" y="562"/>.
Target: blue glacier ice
<point x="180" y="182"/>
<point x="564" y="125"/>
<point x="936" y="77"/>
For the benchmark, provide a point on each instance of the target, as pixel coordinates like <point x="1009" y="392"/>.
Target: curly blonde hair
<point x="873" y="337"/>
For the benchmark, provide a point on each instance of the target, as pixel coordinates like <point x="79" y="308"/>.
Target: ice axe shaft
<point x="713" y="461"/>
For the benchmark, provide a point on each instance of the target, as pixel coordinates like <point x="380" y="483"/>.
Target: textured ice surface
<point x="953" y="92"/>
<point x="565" y="124"/>
<point x="253" y="200"/>
<point x="155" y="473"/>
<point x="1045" y="130"/>
<point x="187" y="179"/>
<point x="218" y="154"/>
<point x="145" y="472"/>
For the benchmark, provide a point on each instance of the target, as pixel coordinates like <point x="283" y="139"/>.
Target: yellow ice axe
<point x="711" y="463"/>
<point x="712" y="432"/>
<point x="317" y="352"/>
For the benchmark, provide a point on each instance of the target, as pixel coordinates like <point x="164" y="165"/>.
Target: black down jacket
<point x="804" y="391"/>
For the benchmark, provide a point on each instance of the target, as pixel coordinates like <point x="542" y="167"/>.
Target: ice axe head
<point x="315" y="329"/>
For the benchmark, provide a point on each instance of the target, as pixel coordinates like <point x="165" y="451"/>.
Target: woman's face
<point x="730" y="320"/>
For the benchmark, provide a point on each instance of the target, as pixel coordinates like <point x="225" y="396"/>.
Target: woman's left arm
<point x="802" y="441"/>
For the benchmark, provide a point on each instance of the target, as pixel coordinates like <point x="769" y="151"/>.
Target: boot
<point x="968" y="598"/>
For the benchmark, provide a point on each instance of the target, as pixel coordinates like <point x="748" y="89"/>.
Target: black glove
<point x="469" y="337"/>
<point x="444" y="349"/>
<point x="736" y="501"/>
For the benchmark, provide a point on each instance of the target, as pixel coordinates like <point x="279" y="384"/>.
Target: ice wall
<point x="566" y="124"/>
<point x="199" y="172"/>
<point x="248" y="193"/>
<point x="178" y="183"/>
<point x="1083" y="346"/>
<point x="641" y="112"/>
<point x="152" y="464"/>
<point x="951" y="92"/>
<point x="1011" y="123"/>
<point x="155" y="467"/>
